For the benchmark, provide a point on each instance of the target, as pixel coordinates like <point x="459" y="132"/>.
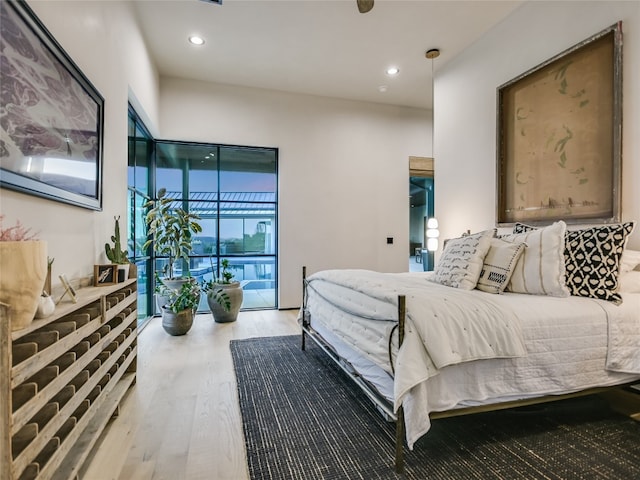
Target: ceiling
<point x="317" y="47"/>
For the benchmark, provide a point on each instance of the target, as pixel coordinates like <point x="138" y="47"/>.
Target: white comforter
<point x="446" y="326"/>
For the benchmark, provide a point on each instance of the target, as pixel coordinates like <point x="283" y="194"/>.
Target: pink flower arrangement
<point x="17" y="233"/>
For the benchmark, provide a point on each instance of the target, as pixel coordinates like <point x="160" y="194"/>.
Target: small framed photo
<point x="105" y="275"/>
<point x="68" y="289"/>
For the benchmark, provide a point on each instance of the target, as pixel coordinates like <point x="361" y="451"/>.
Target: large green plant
<point x="170" y="229"/>
<point x="187" y="297"/>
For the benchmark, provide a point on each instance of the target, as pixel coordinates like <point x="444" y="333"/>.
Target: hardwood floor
<point x="181" y="420"/>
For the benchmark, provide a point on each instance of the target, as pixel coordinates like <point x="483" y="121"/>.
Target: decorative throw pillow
<point x="541" y="267"/>
<point x="498" y="265"/>
<point x="461" y="262"/>
<point x="592" y="258"/>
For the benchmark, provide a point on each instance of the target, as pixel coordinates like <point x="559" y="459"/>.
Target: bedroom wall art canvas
<point x="51" y="119"/>
<point x="559" y="136"/>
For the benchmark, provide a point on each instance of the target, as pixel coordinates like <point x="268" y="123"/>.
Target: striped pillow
<point x="540" y="269"/>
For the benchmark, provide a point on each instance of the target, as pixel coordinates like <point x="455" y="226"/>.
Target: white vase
<point x="46" y="307"/>
<point x="23" y="269"/>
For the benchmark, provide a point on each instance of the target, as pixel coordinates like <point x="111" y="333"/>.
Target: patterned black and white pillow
<point x="498" y="265"/>
<point x="592" y="259"/>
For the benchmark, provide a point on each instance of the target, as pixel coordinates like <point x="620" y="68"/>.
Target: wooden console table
<point x="62" y="379"/>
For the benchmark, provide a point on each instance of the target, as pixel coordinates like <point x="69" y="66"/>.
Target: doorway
<point x="420" y="209"/>
<point x="421" y="187"/>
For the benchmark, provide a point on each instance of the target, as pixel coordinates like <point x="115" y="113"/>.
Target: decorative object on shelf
<point x="224" y="295"/>
<point x="50" y="152"/>
<point x="181" y="306"/>
<point x="105" y="275"/>
<point x="116" y="254"/>
<point x="559" y="137"/>
<point x="68" y="289"/>
<point x="47" y="282"/>
<point x="23" y="263"/>
<point x="46" y="306"/>
<point x="171" y="230"/>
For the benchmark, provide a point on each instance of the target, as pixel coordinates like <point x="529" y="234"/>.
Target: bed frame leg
<point x="400" y="433"/>
<point x="400" y="441"/>
<point x="304" y="307"/>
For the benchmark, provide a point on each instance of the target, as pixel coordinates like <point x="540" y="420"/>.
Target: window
<point x="138" y="181"/>
<point x="234" y="191"/>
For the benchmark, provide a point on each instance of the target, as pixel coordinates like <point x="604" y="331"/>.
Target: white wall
<point x="465" y="104"/>
<point x="343" y="169"/>
<point x="104" y="41"/>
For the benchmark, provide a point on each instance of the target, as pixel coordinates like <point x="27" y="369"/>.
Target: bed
<point x="422" y="348"/>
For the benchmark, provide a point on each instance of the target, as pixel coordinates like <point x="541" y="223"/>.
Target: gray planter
<point x="234" y="291"/>
<point x="177" y="323"/>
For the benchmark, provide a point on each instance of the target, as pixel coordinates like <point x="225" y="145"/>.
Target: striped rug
<point x="304" y="419"/>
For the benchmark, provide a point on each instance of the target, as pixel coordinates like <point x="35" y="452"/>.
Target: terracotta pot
<point x="23" y="269"/>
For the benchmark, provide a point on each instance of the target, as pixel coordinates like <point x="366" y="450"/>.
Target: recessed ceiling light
<point x="382" y="88"/>
<point x="196" y="40"/>
<point x="393" y="71"/>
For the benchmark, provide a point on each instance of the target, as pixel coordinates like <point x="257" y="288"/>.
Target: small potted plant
<point x="180" y="307"/>
<point x="116" y="255"/>
<point x="171" y="230"/>
<point x="224" y="295"/>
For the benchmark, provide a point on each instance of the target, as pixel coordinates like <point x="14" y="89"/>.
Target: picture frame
<point x="104" y="275"/>
<point x="559" y="137"/>
<point x="53" y="147"/>
<point x="68" y="289"/>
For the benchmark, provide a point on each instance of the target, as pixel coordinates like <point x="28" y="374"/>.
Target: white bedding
<point x="571" y="344"/>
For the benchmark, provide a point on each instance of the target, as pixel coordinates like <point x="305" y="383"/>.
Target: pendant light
<point x="432" y="232"/>
<point x="432" y="54"/>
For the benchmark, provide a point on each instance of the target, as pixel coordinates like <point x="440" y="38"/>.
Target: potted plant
<point x="224" y="295"/>
<point x="171" y="230"/>
<point x="116" y="255"/>
<point x="23" y="270"/>
<point x="180" y="307"/>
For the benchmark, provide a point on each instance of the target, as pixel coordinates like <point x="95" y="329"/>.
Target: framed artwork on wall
<point x="51" y="123"/>
<point x="559" y="137"/>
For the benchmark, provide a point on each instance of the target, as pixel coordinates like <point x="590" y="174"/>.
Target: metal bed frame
<point x="382" y="404"/>
<point x="386" y="408"/>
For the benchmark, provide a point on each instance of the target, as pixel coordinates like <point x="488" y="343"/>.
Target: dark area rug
<point x="304" y="419"/>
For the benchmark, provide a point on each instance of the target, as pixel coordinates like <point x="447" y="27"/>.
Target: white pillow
<point x="629" y="261"/>
<point x="462" y="260"/>
<point x="498" y="265"/>
<point x="540" y="269"/>
<point x="629" y="282"/>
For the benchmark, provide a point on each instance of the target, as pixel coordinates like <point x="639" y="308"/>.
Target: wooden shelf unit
<point x="62" y="379"/>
